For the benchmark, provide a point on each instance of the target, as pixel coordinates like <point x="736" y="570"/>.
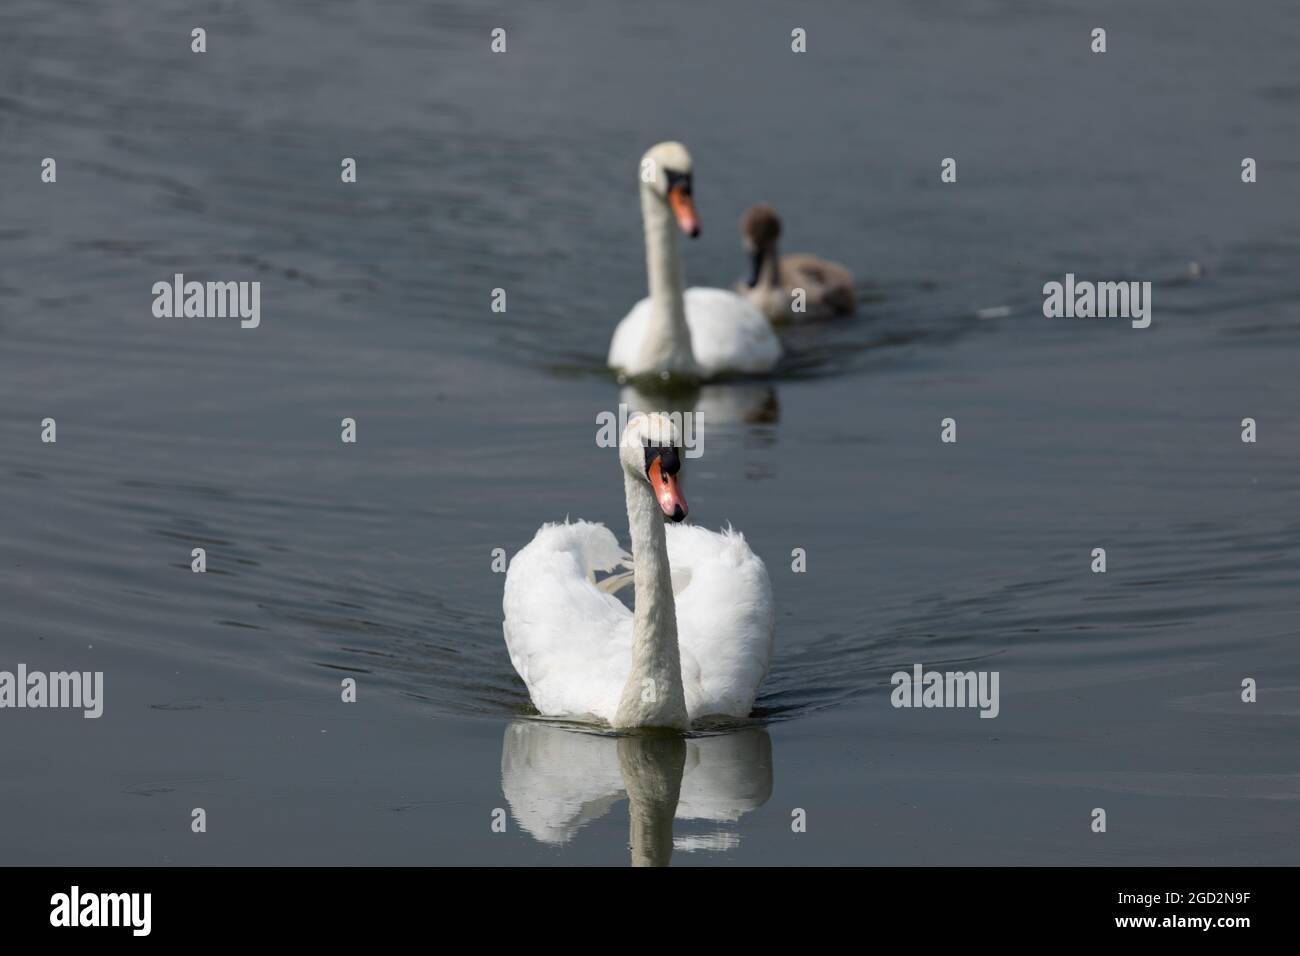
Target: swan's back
<point x="728" y="335"/>
<point x="828" y="284"/>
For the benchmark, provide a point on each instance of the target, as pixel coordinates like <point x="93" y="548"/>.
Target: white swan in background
<point x="699" y="333"/>
<point x="827" y="286"/>
<point x="700" y="639"/>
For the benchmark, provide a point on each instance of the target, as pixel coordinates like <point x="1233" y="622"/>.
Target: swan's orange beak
<point x="683" y="207"/>
<point x="670" y="496"/>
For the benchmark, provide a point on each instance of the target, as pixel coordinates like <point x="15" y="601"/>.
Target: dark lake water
<point x="479" y="171"/>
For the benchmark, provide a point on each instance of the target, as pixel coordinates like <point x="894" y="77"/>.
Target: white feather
<point x="571" y="642"/>
<point x="728" y="334"/>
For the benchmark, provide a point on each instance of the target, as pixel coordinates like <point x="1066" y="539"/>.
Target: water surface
<point x="517" y="171"/>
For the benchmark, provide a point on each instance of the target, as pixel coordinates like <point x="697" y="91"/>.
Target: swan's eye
<point x="669" y="461"/>
<point x="678" y="180"/>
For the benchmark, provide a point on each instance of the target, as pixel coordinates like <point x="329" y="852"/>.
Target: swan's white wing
<point x="625" y="346"/>
<point x="728" y="334"/>
<point x="725" y="619"/>
<point x="569" y="641"/>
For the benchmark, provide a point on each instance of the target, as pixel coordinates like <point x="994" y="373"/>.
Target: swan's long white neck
<point x="653" y="695"/>
<point x="667" y="342"/>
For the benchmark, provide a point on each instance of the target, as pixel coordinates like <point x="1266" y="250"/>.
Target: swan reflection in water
<point x="720" y="403"/>
<point x="557" y="780"/>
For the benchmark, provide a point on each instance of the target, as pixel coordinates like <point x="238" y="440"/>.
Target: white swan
<point x="699" y="333"/>
<point x="700" y="640"/>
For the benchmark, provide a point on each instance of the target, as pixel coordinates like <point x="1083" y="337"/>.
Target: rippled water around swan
<point x="373" y="561"/>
